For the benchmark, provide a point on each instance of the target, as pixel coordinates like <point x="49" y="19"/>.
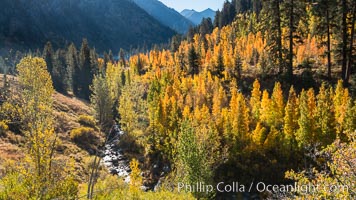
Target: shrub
<point x="19" y="182"/>
<point x="88" y="121"/>
<point x="82" y="135"/>
<point x="3" y="128"/>
<point x="111" y="187"/>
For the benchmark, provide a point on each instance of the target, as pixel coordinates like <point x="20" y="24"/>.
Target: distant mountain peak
<point x="167" y="16"/>
<point x="209" y="9"/>
<point x="185" y="10"/>
<point x="196" y="17"/>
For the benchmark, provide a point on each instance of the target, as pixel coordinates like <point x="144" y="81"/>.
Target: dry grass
<point x="67" y="111"/>
<point x="9" y="151"/>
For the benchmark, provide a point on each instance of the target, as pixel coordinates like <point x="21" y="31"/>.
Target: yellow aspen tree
<point x="135" y="176"/>
<point x="265" y="107"/>
<point x="350" y="119"/>
<point x="225" y="124"/>
<point x="113" y="79"/>
<point x="259" y="134"/>
<point x="186" y="113"/>
<point x="36" y="96"/>
<point x="255" y="100"/>
<point x="239" y="114"/>
<point x="102" y="102"/>
<point x="325" y="116"/>
<point x="272" y="140"/>
<point x="291" y="119"/>
<point x="218" y="101"/>
<point x="341" y="101"/>
<point x="306" y="134"/>
<point x="277" y="106"/>
<point x="43" y="177"/>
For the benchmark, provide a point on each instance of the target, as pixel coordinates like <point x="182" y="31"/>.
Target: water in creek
<point x="114" y="159"/>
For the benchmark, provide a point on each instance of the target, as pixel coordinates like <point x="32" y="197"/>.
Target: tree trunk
<point x="350" y="63"/>
<point x="91" y="180"/>
<point x="291" y="30"/>
<point x="279" y="37"/>
<point x="344" y="40"/>
<point x="328" y="42"/>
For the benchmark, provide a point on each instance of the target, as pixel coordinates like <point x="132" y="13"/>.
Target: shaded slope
<point x="110" y="24"/>
<point x="165" y="15"/>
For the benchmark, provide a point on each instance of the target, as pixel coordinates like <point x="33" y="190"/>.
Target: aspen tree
<point x="255" y="100"/>
<point x="325" y="116"/>
<point x="291" y="118"/>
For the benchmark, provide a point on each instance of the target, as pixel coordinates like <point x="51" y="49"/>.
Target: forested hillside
<point x="262" y="95"/>
<point x="107" y="24"/>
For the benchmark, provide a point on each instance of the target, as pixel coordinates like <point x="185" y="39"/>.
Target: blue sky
<point x="198" y="5"/>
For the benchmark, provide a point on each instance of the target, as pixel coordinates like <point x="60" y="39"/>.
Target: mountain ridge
<point x="167" y="16"/>
<point x="106" y="24"/>
<point x="196" y="17"/>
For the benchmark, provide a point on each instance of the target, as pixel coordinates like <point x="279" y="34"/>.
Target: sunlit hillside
<point x="257" y="103"/>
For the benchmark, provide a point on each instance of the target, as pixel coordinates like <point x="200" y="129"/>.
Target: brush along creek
<point x="117" y="164"/>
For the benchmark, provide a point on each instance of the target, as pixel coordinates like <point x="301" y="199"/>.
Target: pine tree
<point x="94" y="62"/>
<point x="73" y="69"/>
<point x="175" y="42"/>
<point x="193" y="61"/>
<point x="86" y="75"/>
<point x="227" y="15"/>
<point x="58" y="71"/>
<point x="351" y="50"/>
<point x="294" y="11"/>
<point x="238" y="68"/>
<point x="138" y="67"/>
<point x="217" y="19"/>
<point x="326" y="12"/>
<point x="343" y="34"/>
<point x="205" y="27"/>
<point x="122" y="58"/>
<point x="71" y="63"/>
<point x="272" y="25"/>
<point x="48" y="55"/>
